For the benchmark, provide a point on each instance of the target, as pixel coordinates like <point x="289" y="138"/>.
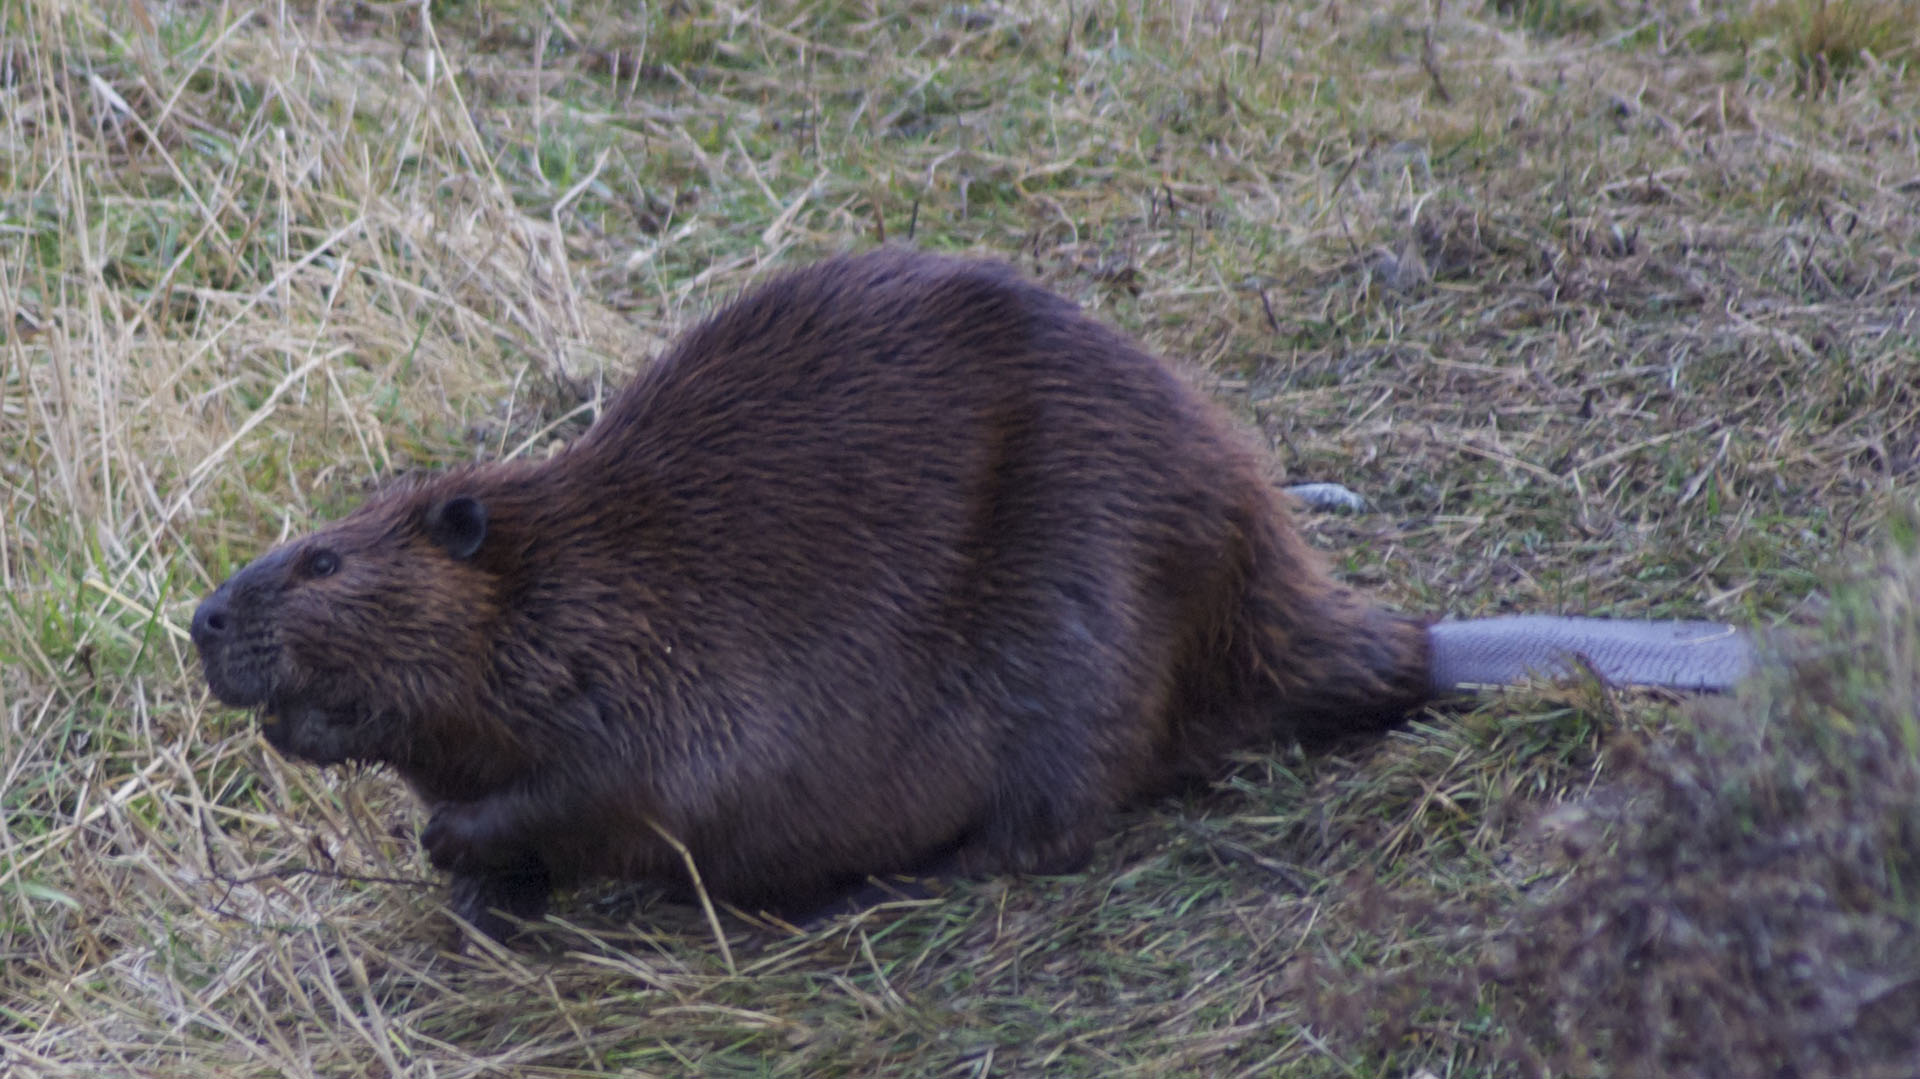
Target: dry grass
<point x="1607" y="307"/>
<point x="1826" y="40"/>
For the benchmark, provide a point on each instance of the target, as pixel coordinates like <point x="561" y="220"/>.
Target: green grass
<point x="1605" y="307"/>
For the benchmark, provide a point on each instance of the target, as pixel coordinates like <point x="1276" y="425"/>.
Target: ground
<point x="1605" y="307"/>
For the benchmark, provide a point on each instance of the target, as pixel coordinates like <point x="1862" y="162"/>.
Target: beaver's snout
<point x="219" y="635"/>
<point x="212" y="621"/>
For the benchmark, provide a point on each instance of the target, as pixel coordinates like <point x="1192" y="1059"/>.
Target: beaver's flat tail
<point x="1695" y="656"/>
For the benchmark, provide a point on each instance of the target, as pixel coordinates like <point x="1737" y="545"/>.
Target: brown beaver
<point x="897" y="561"/>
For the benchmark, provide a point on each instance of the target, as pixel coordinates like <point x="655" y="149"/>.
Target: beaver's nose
<point x="211" y="621"/>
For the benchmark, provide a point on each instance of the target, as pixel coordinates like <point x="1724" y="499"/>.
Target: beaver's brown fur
<point x="897" y="559"/>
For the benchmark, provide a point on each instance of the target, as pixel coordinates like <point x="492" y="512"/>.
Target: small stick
<point x="700" y="890"/>
<point x="1430" y="59"/>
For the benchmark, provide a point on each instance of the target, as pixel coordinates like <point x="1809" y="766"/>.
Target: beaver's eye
<point x="322" y="563"/>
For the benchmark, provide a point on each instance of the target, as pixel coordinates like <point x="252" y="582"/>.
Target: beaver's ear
<point x="458" y="525"/>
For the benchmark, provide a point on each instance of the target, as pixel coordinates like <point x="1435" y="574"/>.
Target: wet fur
<point x="897" y="560"/>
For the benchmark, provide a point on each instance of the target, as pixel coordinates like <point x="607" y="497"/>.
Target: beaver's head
<point x="367" y="640"/>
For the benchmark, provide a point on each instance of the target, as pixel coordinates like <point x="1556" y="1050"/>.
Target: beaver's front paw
<point x="489" y="902"/>
<point x="474" y="837"/>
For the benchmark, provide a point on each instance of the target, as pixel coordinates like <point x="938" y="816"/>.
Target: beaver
<point x="898" y="561"/>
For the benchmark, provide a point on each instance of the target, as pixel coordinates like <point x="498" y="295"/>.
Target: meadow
<point x="1605" y="307"/>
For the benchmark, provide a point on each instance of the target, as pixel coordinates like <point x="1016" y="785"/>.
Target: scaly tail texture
<point x="1479" y="652"/>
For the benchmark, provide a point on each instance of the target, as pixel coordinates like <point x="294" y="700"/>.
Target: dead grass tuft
<point x="1738" y="898"/>
<point x="1828" y="39"/>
